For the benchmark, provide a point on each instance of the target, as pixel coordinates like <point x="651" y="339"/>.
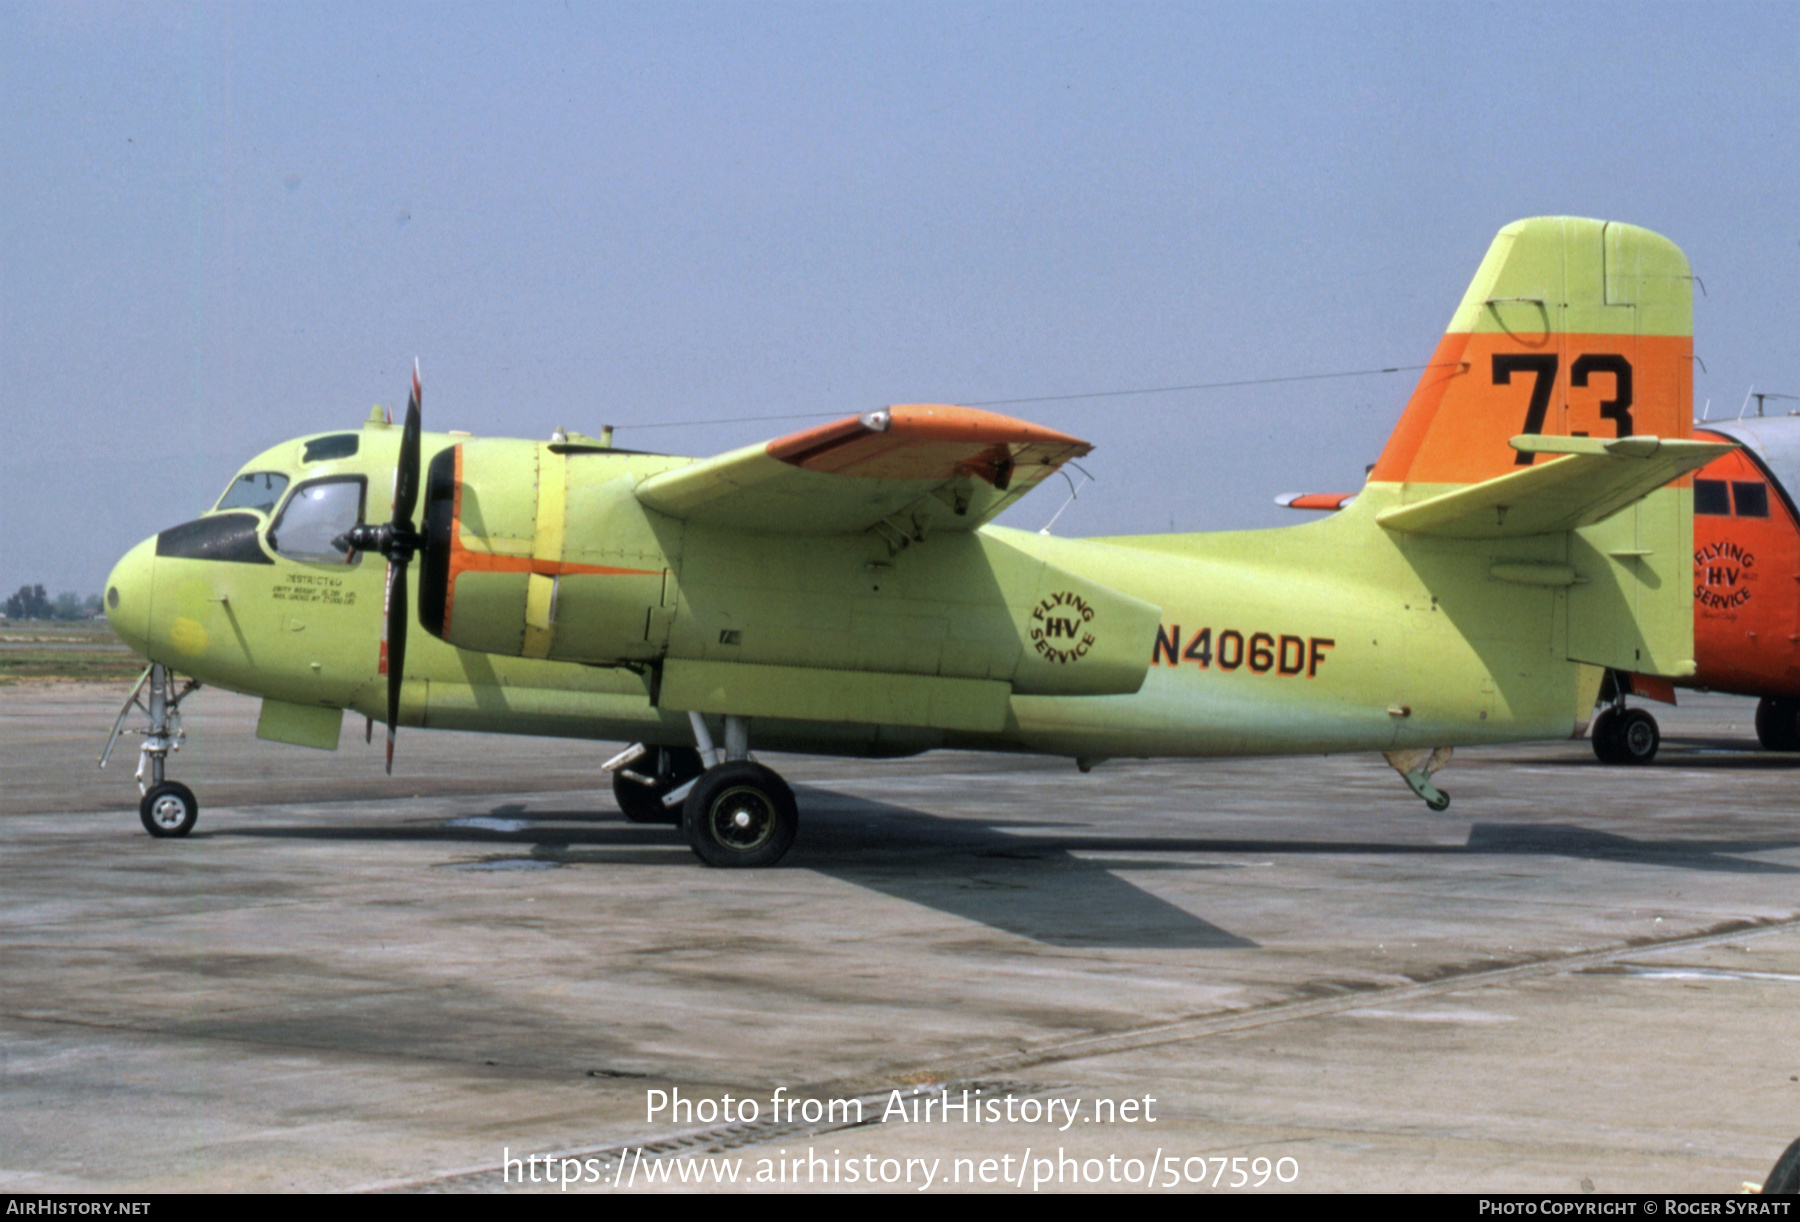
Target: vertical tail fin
<point x="1571" y="327"/>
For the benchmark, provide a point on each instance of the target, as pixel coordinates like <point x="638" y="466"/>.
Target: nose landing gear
<point x="168" y="808"/>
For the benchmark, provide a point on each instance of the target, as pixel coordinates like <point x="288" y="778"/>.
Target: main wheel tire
<point x="1784" y="1177"/>
<point x="1637" y="736"/>
<point x="675" y="767"/>
<point x="169" y="809"/>
<point x="1778" y="724"/>
<point x="1606" y="736"/>
<point x="740" y="814"/>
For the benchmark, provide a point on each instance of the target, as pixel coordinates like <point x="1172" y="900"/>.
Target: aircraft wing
<point x="919" y="466"/>
<point x="1594" y="480"/>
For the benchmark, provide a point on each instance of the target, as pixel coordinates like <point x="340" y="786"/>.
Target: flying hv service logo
<point x="1060" y="627"/>
<point x="1723" y="573"/>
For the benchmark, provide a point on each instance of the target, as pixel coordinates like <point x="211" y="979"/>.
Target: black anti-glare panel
<point x="223" y="536"/>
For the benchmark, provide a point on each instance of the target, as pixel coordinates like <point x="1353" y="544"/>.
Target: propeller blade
<point x="398" y="612"/>
<point x="406" y="472"/>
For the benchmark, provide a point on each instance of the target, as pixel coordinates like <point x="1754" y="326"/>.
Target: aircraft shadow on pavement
<point x="1054" y="883"/>
<point x="1724" y="755"/>
<point x="965" y="868"/>
<point x="1569" y="840"/>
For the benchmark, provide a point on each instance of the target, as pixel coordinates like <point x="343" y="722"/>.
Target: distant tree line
<point x="32" y="603"/>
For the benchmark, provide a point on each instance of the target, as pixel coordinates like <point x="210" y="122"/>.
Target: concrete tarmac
<point x="1578" y="978"/>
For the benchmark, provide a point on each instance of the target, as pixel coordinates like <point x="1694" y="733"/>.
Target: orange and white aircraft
<point x="1746" y="591"/>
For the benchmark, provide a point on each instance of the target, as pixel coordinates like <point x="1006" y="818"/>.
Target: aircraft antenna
<point x="1086" y="479"/>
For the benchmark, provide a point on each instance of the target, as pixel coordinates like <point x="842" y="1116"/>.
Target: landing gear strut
<point x="168" y="808"/>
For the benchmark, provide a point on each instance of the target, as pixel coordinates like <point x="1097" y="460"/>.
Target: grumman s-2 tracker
<point x="1527" y="528"/>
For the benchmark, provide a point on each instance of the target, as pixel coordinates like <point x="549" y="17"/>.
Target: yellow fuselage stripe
<point x="546" y="547"/>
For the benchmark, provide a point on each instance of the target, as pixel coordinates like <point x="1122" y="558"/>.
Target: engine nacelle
<point x="522" y="560"/>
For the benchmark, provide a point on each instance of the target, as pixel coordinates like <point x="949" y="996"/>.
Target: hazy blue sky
<point x="223" y="225"/>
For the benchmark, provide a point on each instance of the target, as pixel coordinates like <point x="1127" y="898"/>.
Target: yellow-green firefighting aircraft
<point x="837" y="591"/>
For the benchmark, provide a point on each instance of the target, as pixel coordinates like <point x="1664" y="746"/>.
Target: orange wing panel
<point x="927" y="441"/>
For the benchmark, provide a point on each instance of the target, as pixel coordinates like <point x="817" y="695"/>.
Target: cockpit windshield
<point x="312" y="525"/>
<point x="255" y="490"/>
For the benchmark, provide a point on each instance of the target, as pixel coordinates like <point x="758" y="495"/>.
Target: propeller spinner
<point x="399" y="543"/>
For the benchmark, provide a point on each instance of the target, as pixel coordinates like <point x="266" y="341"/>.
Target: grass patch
<point x="46" y="651"/>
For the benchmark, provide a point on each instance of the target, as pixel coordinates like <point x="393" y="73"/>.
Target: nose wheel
<point x="169" y="809"/>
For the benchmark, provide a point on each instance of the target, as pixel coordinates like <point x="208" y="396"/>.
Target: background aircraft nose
<point x="128" y="595"/>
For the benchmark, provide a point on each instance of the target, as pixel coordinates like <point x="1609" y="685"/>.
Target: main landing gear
<point x="734" y="813"/>
<point x="168" y="808"/>
<point x="1778" y="724"/>
<point x="644" y="776"/>
<point x="1624" y="735"/>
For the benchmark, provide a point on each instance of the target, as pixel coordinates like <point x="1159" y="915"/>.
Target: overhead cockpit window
<point x="1710" y="497"/>
<point x="338" y="445"/>
<point x="1752" y="499"/>
<point x="316" y="517"/>
<point x="257" y="490"/>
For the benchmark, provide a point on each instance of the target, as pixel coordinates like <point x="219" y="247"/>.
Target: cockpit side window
<point x="255" y="490"/>
<point x="315" y="517"/>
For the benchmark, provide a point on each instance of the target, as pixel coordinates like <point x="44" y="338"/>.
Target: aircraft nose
<point x="128" y="592"/>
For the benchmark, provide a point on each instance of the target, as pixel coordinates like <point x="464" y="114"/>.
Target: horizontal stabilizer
<point x="1595" y="479"/>
<point x="934" y="467"/>
<point x="1325" y="501"/>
